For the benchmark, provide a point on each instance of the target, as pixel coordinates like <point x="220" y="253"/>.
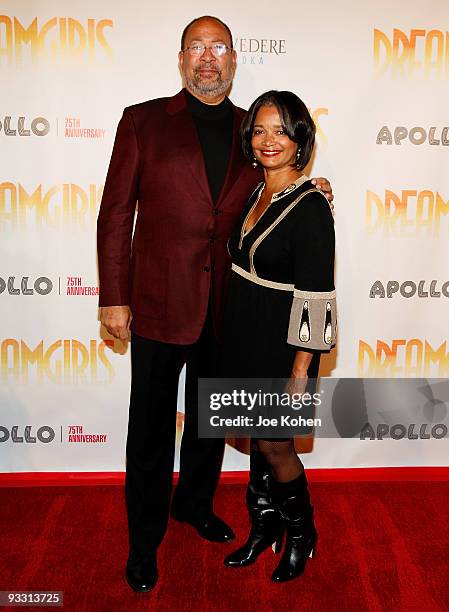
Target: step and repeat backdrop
<point x="375" y="78"/>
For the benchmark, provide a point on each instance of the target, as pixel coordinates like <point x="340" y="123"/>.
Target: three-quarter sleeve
<point x="313" y="316"/>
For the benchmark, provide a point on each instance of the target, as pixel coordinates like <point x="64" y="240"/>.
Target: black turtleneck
<point x="214" y="124"/>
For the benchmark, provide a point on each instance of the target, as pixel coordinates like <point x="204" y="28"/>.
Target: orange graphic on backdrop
<point x="407" y="212"/>
<point x="66" y="206"/>
<point x="415" y="52"/>
<point x="58" y="40"/>
<point x="66" y="361"/>
<point x="413" y="357"/>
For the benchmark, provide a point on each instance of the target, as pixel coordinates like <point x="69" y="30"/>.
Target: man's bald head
<point x="184" y="33"/>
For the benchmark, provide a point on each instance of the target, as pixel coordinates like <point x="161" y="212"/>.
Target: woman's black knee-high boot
<point x="266" y="526"/>
<point x="293" y="503"/>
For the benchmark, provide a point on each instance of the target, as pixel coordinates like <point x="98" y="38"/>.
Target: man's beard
<point x="207" y="88"/>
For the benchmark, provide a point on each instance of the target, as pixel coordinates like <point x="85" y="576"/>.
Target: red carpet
<point x="381" y="546"/>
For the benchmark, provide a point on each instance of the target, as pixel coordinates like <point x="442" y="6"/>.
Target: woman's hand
<point x="298" y="378"/>
<point x="296" y="385"/>
<point x="301" y="364"/>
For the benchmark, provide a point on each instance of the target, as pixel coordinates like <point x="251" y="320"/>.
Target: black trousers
<point x="155" y="369"/>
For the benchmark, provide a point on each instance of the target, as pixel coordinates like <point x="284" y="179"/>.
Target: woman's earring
<point x="298" y="155"/>
<point x="254" y="163"/>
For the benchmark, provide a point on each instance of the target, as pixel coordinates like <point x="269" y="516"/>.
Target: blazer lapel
<point x="187" y="141"/>
<point x="237" y="161"/>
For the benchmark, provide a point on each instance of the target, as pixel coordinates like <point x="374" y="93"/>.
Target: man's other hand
<point x="323" y="185"/>
<point x="117" y="320"/>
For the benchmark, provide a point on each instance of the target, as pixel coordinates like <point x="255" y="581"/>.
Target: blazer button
<point x="206" y="269"/>
<point x="216" y="211"/>
<point x="212" y="239"/>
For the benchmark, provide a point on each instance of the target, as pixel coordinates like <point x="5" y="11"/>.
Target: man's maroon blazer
<point x="178" y="256"/>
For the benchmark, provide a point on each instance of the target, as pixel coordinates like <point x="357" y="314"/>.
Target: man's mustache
<point x="208" y="66"/>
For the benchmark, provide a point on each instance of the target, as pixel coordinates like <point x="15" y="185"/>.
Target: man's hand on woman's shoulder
<point x="323" y="185"/>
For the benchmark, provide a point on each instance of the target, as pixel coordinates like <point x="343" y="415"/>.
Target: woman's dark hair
<point x="296" y="122"/>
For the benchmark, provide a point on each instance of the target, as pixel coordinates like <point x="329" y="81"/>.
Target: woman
<point x="280" y="312"/>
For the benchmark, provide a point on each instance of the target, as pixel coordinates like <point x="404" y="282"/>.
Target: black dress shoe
<point x="209" y="527"/>
<point x="141" y="572"/>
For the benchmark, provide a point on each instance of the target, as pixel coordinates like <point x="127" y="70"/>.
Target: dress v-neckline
<point x="245" y="232"/>
<point x="277" y="195"/>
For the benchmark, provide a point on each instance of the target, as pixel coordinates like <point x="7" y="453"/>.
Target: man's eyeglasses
<point x="217" y="49"/>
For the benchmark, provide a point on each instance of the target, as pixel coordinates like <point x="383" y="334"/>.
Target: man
<point x="181" y="159"/>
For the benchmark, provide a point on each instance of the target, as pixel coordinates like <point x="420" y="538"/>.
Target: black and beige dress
<point x="281" y="294"/>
